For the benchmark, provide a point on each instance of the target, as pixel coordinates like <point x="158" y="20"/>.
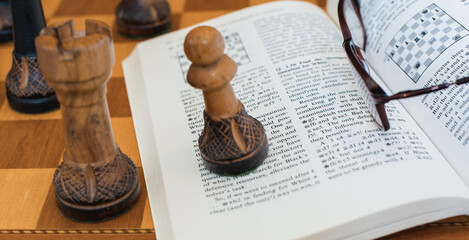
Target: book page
<point x="328" y="163"/>
<point x="416" y="44"/>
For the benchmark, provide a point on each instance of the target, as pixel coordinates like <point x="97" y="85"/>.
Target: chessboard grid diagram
<point x="31" y="146"/>
<point x="422" y="39"/>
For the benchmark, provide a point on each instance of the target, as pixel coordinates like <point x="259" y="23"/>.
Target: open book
<point x="331" y="173"/>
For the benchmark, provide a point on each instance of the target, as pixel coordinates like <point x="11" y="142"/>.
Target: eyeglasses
<point x="354" y="34"/>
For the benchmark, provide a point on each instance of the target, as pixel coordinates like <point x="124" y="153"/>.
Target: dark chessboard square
<point x="435" y="31"/>
<point x="438" y="22"/>
<point x="460" y="28"/>
<point x="410" y="46"/>
<point x="444" y="38"/>
<point x="428" y="62"/>
<point x="175" y="21"/>
<point x="117" y="99"/>
<point x="447" y="29"/>
<point x="43" y="140"/>
<point x="419" y="54"/>
<point x="421" y="43"/>
<point x="400" y="60"/>
<point x="74" y="7"/>
<point x="401" y="50"/>
<point x="430" y="51"/>
<point x="442" y="48"/>
<point x="409" y="56"/>
<point x="206" y="5"/>
<point x="3" y="95"/>
<point x="402" y="38"/>
<point x="426" y="23"/>
<point x="407" y="68"/>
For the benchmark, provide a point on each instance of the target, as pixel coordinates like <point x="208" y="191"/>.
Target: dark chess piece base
<point x="117" y="190"/>
<point x="6" y="35"/>
<point x="100" y="212"/>
<point x="36" y="96"/>
<point x="6" y="32"/>
<point x="39" y="104"/>
<point x="144" y="31"/>
<point x="143" y="19"/>
<point x="241" y="165"/>
<point x="221" y="149"/>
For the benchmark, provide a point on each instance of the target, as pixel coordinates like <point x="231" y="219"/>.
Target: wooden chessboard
<point x="31" y="146"/>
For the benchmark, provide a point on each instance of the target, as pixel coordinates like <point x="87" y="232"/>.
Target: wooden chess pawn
<point x="5" y="22"/>
<point x="95" y="180"/>
<point x="232" y="141"/>
<point x="143" y="18"/>
<point x="27" y="90"/>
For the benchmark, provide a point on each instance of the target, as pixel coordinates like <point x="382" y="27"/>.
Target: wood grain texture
<point x="95" y="180"/>
<point x="21" y="150"/>
<point x="31" y="145"/>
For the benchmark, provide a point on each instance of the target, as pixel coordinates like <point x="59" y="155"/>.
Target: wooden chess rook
<point x="143" y="18"/>
<point x="95" y="180"/>
<point x="232" y="141"/>
<point x="27" y="90"/>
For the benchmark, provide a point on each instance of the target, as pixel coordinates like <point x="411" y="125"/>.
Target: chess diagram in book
<point x="413" y="49"/>
<point x="234" y="49"/>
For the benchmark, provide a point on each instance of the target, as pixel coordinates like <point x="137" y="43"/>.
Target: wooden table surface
<point x="31" y="146"/>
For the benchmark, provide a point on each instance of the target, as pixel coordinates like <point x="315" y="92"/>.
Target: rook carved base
<point x="97" y="193"/>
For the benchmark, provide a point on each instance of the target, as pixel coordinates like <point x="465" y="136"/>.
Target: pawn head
<point x="204" y="45"/>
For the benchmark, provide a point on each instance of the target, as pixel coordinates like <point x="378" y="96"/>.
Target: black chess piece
<point x="27" y="90"/>
<point x="143" y="18"/>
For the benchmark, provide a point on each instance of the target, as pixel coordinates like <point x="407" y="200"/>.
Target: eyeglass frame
<point x="376" y="92"/>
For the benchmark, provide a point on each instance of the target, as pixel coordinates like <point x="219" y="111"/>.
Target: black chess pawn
<point x="27" y="90"/>
<point x="5" y="22"/>
<point x="143" y="18"/>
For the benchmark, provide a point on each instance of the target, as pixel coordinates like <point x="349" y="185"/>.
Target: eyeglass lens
<point x="354" y="24"/>
<point x="356" y="45"/>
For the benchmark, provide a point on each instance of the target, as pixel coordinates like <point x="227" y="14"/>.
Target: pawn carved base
<point x="96" y="193"/>
<point x="233" y="145"/>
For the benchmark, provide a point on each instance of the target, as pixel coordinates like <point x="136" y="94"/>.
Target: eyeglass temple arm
<point x="418" y="92"/>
